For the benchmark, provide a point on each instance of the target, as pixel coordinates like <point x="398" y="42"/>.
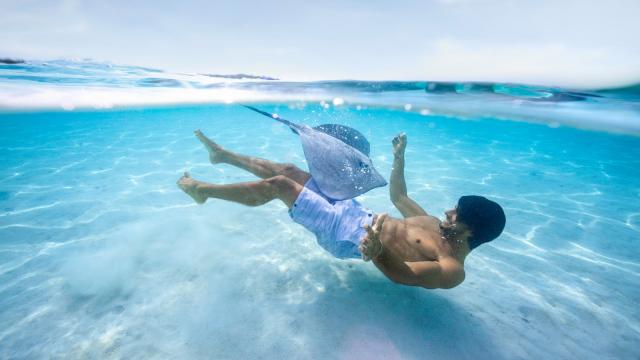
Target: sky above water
<point x="586" y="44"/>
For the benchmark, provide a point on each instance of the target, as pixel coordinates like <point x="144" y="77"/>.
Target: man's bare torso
<point x="415" y="238"/>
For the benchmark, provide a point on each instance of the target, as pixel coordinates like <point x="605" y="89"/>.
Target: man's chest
<point x="416" y="240"/>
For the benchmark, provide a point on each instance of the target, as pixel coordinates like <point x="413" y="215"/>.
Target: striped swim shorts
<point x="337" y="224"/>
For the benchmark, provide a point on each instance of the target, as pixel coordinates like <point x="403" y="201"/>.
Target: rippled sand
<point x="102" y="256"/>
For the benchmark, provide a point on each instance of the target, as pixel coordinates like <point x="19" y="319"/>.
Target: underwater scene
<point x="103" y="256"/>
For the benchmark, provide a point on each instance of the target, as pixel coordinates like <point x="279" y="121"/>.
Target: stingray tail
<point x="294" y="127"/>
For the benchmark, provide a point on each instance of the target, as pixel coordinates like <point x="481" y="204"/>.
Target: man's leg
<point x="260" y="167"/>
<point x="253" y="193"/>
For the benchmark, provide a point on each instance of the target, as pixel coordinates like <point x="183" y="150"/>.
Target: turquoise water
<point x="102" y="256"/>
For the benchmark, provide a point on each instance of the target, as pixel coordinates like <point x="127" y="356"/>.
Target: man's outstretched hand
<point x="399" y="144"/>
<point x="370" y="245"/>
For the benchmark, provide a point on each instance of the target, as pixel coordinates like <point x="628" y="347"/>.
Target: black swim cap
<point x="484" y="218"/>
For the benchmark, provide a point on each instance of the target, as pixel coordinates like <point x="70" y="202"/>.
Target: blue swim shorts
<point x="337" y="225"/>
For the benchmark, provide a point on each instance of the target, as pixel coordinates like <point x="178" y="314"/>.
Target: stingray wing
<point x="348" y="135"/>
<point x="340" y="170"/>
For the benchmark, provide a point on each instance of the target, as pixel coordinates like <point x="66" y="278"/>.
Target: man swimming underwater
<point x="419" y="250"/>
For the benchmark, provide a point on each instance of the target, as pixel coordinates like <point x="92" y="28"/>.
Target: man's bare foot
<point x="190" y="186"/>
<point x="216" y="153"/>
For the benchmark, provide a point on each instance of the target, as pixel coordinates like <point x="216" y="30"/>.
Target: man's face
<point x="451" y="227"/>
<point x="451" y="216"/>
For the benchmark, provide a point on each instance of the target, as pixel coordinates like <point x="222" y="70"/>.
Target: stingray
<point x="337" y="156"/>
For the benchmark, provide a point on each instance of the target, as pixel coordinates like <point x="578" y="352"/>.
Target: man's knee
<point x="279" y="182"/>
<point x="295" y="173"/>
<point x="289" y="169"/>
<point x="285" y="188"/>
<point x="289" y="166"/>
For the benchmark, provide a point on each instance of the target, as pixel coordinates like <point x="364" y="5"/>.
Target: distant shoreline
<point x="9" y="61"/>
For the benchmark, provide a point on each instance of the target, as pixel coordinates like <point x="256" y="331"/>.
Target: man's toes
<point x="184" y="180"/>
<point x="200" y="135"/>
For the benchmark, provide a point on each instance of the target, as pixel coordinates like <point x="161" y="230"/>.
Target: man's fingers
<point x="364" y="251"/>
<point x="369" y="230"/>
<point x="379" y="221"/>
<point x="371" y="233"/>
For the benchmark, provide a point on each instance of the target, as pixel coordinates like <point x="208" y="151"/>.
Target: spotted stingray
<point x="337" y="156"/>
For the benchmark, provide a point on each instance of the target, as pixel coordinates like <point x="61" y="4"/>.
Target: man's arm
<point x="443" y="274"/>
<point x="397" y="185"/>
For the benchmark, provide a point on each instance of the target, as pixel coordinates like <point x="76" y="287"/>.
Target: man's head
<point x="484" y="218"/>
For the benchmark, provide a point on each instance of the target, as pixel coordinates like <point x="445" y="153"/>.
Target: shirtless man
<point x="419" y="250"/>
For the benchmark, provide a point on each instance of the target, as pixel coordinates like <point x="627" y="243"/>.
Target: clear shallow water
<point x="102" y="256"/>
